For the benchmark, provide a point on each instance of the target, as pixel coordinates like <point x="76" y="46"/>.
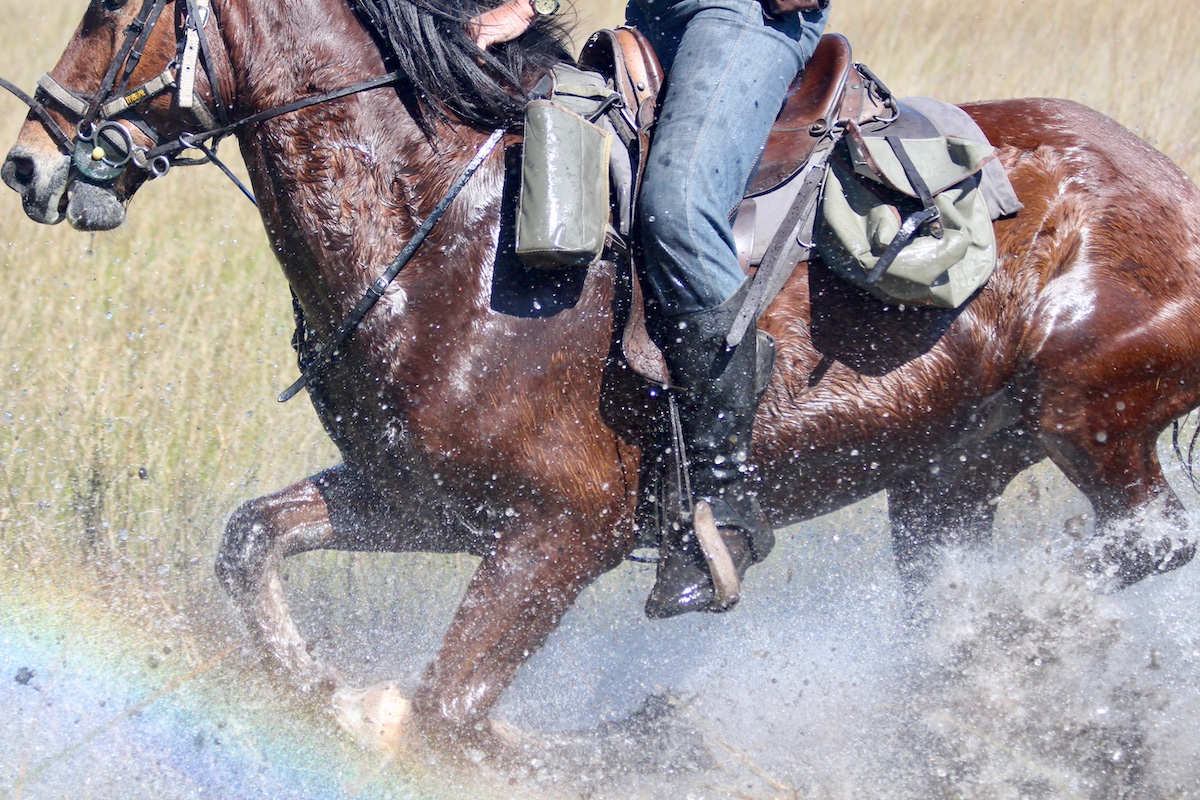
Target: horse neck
<point x="342" y="186"/>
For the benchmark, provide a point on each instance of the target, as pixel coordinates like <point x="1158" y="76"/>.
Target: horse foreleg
<point x="514" y="601"/>
<point x="1140" y="530"/>
<point x="259" y="536"/>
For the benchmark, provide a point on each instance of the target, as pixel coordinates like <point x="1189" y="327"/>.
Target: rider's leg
<point x="729" y="69"/>
<point x="716" y="391"/>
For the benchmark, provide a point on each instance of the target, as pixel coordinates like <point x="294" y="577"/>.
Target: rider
<point x="728" y="65"/>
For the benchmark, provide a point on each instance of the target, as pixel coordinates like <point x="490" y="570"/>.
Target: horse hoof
<point x="375" y="717"/>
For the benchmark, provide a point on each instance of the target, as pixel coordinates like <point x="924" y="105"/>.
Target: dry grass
<point x="138" y="368"/>
<point x="1130" y="61"/>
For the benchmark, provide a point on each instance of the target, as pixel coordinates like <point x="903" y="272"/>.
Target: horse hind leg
<point x="1140" y="528"/>
<point x="952" y="502"/>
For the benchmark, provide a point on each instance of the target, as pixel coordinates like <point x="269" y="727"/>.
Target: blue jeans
<point x="728" y="69"/>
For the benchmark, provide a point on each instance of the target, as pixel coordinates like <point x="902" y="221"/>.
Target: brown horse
<point x="473" y="407"/>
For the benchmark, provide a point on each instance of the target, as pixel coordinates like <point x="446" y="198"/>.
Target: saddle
<point x="814" y="102"/>
<point x="774" y="226"/>
<point x="830" y="92"/>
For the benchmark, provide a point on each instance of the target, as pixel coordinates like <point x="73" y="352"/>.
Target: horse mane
<point x="449" y="76"/>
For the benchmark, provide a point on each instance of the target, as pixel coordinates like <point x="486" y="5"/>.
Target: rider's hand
<point x="501" y="24"/>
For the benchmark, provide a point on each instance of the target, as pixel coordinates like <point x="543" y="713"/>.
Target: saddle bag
<point x="563" y="206"/>
<point x="902" y="214"/>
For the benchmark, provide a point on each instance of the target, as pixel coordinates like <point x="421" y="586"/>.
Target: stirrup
<point x="727" y="583"/>
<point x="704" y="574"/>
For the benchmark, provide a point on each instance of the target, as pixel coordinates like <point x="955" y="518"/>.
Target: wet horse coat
<point x="471" y="420"/>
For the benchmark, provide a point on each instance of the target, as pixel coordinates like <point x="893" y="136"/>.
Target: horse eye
<point x="113" y="5"/>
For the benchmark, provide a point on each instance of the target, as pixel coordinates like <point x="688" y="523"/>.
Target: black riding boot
<point x="717" y="397"/>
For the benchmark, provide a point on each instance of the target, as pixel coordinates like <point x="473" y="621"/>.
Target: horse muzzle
<point x="51" y="191"/>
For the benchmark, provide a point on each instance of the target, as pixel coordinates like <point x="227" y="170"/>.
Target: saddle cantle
<point x="813" y="104"/>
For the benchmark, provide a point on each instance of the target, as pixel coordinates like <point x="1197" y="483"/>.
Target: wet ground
<point x="1020" y="682"/>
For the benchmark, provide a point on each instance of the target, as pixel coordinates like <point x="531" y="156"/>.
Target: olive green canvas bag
<point x="563" y="207"/>
<point x="904" y="218"/>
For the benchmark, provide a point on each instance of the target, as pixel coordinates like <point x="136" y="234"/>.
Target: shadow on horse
<point x="471" y="421"/>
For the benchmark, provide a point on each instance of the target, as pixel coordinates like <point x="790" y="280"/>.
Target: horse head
<point x="132" y="92"/>
<point x="102" y="115"/>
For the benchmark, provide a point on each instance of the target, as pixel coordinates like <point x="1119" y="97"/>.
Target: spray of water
<point x="1017" y="679"/>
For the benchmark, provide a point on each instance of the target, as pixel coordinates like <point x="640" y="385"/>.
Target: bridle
<point x="103" y="149"/>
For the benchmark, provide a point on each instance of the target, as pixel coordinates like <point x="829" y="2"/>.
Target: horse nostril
<point x="18" y="171"/>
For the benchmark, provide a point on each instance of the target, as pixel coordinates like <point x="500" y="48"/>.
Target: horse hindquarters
<point x="1140" y="529"/>
<point x="1113" y="347"/>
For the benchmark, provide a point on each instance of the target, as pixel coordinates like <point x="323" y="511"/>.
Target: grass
<point x="138" y="368"/>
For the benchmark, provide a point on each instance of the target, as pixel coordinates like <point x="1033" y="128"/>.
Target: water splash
<point x="1020" y="682"/>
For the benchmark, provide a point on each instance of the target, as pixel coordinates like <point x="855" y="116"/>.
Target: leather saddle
<point x="813" y="104"/>
<point x="815" y="101"/>
<point x="830" y="91"/>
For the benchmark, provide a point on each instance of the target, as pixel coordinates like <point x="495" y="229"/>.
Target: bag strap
<point x="928" y="215"/>
<point x="918" y="183"/>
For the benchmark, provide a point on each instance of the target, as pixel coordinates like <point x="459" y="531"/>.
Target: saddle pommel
<point x="627" y="56"/>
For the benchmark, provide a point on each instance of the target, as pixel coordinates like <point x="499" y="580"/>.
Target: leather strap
<point x="905" y="235"/>
<point x="791" y="244"/>
<point x="368" y="301"/>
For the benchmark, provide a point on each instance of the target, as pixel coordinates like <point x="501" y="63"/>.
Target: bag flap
<point x="856" y="227"/>
<point x="942" y="161"/>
